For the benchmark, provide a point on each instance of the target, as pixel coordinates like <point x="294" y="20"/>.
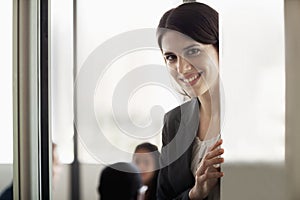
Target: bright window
<point x="62" y="78"/>
<point x="6" y="85"/>
<point x="252" y="72"/>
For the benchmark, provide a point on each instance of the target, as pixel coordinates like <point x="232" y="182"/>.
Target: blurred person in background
<point x="146" y="158"/>
<point x="121" y="181"/>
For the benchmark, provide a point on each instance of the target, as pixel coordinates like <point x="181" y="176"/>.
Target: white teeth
<point x="190" y="79"/>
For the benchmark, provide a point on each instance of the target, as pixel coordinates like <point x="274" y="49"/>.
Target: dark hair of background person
<point x="8" y="193"/>
<point x="203" y="25"/>
<point x="151" y="192"/>
<point x="120" y="181"/>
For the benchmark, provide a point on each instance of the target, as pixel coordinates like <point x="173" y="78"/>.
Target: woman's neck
<point x="209" y="113"/>
<point x="210" y="101"/>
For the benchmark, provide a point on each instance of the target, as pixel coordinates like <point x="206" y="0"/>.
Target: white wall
<point x="250" y="181"/>
<point x="6" y="175"/>
<point x="62" y="188"/>
<point x="292" y="31"/>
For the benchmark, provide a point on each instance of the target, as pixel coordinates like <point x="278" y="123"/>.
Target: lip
<point x="190" y="79"/>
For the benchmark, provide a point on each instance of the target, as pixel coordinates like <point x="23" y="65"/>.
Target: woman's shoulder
<point x="176" y="112"/>
<point x="176" y="117"/>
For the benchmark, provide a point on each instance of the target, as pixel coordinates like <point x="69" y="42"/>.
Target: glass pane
<point x="62" y="127"/>
<point x="255" y="71"/>
<point x="93" y="30"/>
<point x="6" y="102"/>
<point x="62" y="78"/>
<point x="253" y="74"/>
<point x="6" y="90"/>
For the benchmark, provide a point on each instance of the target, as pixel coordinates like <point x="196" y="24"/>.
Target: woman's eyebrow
<point x="190" y="46"/>
<point x="168" y="53"/>
<point x="185" y="48"/>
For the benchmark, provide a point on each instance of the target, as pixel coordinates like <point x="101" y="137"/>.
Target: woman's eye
<point x="170" y="58"/>
<point x="193" y="52"/>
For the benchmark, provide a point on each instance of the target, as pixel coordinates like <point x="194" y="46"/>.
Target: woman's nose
<point x="183" y="65"/>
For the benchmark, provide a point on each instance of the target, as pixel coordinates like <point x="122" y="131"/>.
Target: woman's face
<point x="193" y="65"/>
<point x="146" y="164"/>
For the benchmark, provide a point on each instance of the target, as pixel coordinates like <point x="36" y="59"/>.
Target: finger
<point x="211" y="175"/>
<point x="202" y="168"/>
<point x="214" y="153"/>
<point x="214" y="161"/>
<point x="205" y="164"/>
<point x="217" y="144"/>
<point x="214" y="168"/>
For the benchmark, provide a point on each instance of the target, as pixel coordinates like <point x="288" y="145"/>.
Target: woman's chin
<point x="195" y="91"/>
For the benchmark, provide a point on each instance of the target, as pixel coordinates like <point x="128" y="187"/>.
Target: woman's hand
<point x="207" y="175"/>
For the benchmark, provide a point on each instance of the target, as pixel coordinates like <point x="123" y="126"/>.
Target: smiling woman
<point x="191" y="55"/>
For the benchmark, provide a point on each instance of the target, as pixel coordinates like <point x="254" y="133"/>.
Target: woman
<point x="146" y="158"/>
<point x="188" y="37"/>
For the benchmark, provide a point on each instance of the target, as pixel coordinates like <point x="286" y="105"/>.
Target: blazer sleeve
<point x="165" y="190"/>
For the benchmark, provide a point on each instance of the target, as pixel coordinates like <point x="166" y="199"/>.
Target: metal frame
<point x="30" y="100"/>
<point x="75" y="166"/>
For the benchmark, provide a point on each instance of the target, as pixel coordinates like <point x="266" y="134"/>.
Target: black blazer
<point x="181" y="124"/>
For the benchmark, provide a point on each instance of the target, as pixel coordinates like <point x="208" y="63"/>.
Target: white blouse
<point x="200" y="148"/>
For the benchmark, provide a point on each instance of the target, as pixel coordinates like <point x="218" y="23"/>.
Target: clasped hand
<point x="207" y="174"/>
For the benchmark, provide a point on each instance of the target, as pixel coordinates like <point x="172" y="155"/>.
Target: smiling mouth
<point x="191" y="80"/>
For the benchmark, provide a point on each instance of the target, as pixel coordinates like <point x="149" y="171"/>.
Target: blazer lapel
<point x="188" y="128"/>
<point x="187" y="131"/>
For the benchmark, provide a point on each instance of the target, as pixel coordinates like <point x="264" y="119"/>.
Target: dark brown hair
<point x="196" y="20"/>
